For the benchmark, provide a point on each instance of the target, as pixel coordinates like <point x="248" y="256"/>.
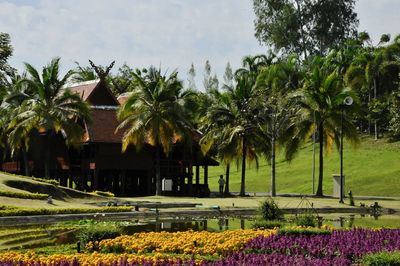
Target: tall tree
<point x="374" y="73"/>
<point x="153" y="114"/>
<point x="6" y="71"/>
<point x="321" y="99"/>
<point x="191" y="77"/>
<point x="52" y="108"/>
<point x="210" y="82"/>
<point x="305" y="27"/>
<point x="278" y="125"/>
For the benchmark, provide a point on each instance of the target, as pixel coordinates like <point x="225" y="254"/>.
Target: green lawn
<point x="372" y="168"/>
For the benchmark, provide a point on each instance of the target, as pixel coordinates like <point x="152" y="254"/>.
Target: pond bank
<point x="156" y="213"/>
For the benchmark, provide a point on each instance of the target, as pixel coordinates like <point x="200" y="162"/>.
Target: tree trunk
<point x="273" y="184"/>
<point x="25" y="160"/>
<point x="242" y="185"/>
<point x="227" y="180"/>
<point x="321" y="159"/>
<point x="47" y="155"/>
<point x="375" y="121"/>
<point x="158" y="171"/>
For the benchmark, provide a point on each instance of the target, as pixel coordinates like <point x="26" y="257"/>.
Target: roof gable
<point x="95" y="92"/>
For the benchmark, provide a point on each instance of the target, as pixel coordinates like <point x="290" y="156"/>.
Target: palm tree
<point x="321" y="100"/>
<point x="373" y="71"/>
<point x="82" y="74"/>
<point x="153" y="114"/>
<point x="277" y="123"/>
<point x="51" y="109"/>
<point x="18" y="137"/>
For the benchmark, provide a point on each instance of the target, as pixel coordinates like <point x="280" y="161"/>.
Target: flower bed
<point x="188" y="242"/>
<point x="230" y="248"/>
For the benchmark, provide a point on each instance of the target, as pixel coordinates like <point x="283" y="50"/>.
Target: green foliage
<point x="306" y="219"/>
<point x="394" y="122"/>
<point x="269" y="210"/>
<point x="22" y="195"/>
<point x="15" y="211"/>
<point x="99" y="231"/>
<point x="48" y="181"/>
<point x="303" y="231"/>
<point x="382" y="259"/>
<point x="270" y="224"/>
<point x="103" y="193"/>
<point x="304" y="27"/>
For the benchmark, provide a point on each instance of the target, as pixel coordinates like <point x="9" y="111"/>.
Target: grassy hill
<point x="62" y="197"/>
<point x="372" y="168"/>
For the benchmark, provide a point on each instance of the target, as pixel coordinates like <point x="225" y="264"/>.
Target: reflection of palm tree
<point x="51" y="108"/>
<point x="153" y="114"/>
<point x="322" y="97"/>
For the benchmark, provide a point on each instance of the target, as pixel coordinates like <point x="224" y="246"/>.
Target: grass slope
<point x="372" y="168"/>
<point x="62" y="197"/>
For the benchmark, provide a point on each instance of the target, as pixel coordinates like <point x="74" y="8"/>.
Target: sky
<point x="172" y="34"/>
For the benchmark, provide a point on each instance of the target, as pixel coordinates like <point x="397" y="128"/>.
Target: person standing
<point x="221" y="183"/>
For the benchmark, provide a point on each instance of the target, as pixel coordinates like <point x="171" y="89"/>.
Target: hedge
<point x="15" y="211"/>
<point x="22" y="195"/>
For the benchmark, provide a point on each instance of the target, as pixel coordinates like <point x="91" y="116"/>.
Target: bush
<point x="261" y="224"/>
<point x="382" y="259"/>
<point x="303" y="231"/>
<point x="307" y="220"/>
<point x="48" y="181"/>
<point x="103" y="193"/>
<point x="22" y="195"/>
<point x="43" y="211"/>
<point x="269" y="210"/>
<point x="98" y="231"/>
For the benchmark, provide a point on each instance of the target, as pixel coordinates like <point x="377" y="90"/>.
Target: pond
<point x="66" y="232"/>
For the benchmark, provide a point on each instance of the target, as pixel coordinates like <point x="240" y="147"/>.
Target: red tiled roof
<point x="85" y="89"/>
<point x="103" y="125"/>
<point x="123" y="97"/>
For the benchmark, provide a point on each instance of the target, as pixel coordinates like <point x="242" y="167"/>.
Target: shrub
<point x="99" y="231"/>
<point x="269" y="210"/>
<point x="48" y="181"/>
<point x="261" y="224"/>
<point x="23" y="195"/>
<point x="303" y="231"/>
<point x="382" y="259"/>
<point x="307" y="219"/>
<point x="103" y="193"/>
<point x="43" y="211"/>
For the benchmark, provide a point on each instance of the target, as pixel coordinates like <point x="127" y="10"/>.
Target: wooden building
<point x="98" y="163"/>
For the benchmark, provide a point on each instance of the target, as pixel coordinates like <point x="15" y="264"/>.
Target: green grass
<point x="372" y="168"/>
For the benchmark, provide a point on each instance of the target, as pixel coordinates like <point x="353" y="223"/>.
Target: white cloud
<point x="173" y="33"/>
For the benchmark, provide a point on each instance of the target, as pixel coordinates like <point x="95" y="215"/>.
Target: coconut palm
<point x="278" y="126"/>
<point x="373" y="72"/>
<point x="51" y="108"/>
<point x="154" y="114"/>
<point x="321" y="99"/>
<point x="18" y="137"/>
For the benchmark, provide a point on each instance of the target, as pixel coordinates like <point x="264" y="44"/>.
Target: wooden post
<point x="123" y="182"/>
<point x="206" y="175"/>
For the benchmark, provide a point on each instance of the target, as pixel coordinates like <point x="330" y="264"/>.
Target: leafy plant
<point x="307" y="219"/>
<point x="303" y="231"/>
<point x="261" y="224"/>
<point x="99" y="231"/>
<point x="269" y="210"/>
<point x="382" y="258"/>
